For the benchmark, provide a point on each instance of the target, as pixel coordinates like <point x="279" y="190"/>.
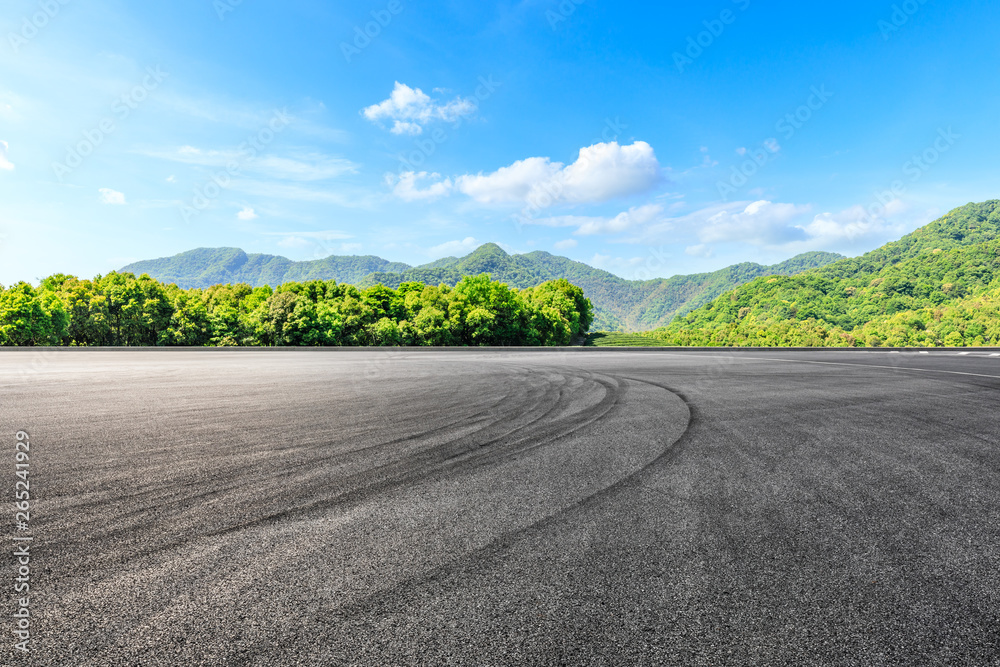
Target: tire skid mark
<point x="407" y="590"/>
<point x="482" y="418"/>
<point x="438" y="461"/>
<point x="461" y="453"/>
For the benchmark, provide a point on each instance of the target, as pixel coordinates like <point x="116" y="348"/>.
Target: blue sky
<point x="649" y="140"/>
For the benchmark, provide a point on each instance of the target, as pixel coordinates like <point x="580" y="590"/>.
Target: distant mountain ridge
<point x="204" y="267"/>
<point x="618" y="303"/>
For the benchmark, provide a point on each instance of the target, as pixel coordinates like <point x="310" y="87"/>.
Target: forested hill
<point x="939" y="285"/>
<point x="618" y="303"/>
<point x="205" y="267"/>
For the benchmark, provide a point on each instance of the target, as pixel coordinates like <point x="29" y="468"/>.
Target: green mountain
<point x="939" y="285"/>
<point x="205" y="267"/>
<point x="618" y="303"/>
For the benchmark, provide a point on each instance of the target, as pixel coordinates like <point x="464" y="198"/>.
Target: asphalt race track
<point x="485" y="507"/>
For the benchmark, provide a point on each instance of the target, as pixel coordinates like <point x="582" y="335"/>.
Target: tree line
<point x="121" y="309"/>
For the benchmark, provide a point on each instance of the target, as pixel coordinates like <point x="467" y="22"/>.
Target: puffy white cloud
<point x="455" y="248"/>
<point x="247" y="213"/>
<point x="404" y="127"/>
<point x="5" y="162"/>
<point x="516" y="183"/>
<point x="410" y="109"/>
<point x="602" y="172"/>
<point x="857" y="223"/>
<point x="406" y="186"/>
<point x="605" y="171"/>
<point x="113" y="197"/>
<point x="565" y="245"/>
<point x="760" y="222"/>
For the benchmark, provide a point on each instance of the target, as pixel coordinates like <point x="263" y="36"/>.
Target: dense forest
<point x="939" y="286"/>
<point x="619" y="304"/>
<point x="120" y="309"/>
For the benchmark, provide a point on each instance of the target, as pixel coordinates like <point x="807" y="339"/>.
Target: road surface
<point x="498" y="507"/>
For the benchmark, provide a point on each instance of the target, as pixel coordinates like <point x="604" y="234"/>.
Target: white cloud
<point x="5" y="163"/>
<point x="171" y="179"/>
<point x="325" y="235"/>
<point x="295" y="242"/>
<point x="319" y="244"/>
<point x="517" y="183"/>
<point x="760" y="223"/>
<point x="565" y="245"/>
<point x="299" y="166"/>
<point x="700" y="250"/>
<point x="260" y="188"/>
<point x="857" y="223"/>
<point x="410" y="109"/>
<point x="624" y="221"/>
<point x="455" y="248"/>
<point x="247" y="213"/>
<point x="620" y="266"/>
<point x="787" y="226"/>
<point x="113" y="197"/>
<point x="636" y="216"/>
<point x="601" y="172"/>
<point x="405" y="186"/>
<point x="404" y="127"/>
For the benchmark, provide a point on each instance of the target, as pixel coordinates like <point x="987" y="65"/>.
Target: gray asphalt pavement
<point x="485" y="507"/>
